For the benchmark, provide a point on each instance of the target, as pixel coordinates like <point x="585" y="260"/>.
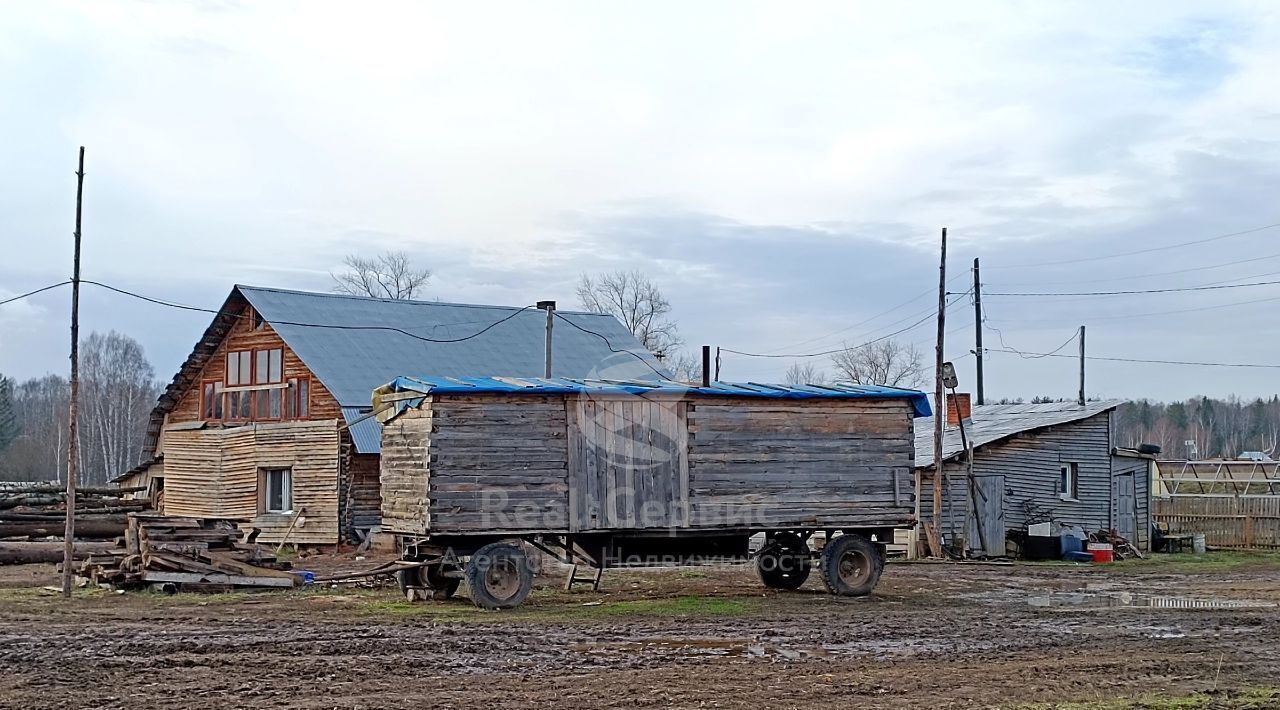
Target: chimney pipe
<point x="959" y="407"/>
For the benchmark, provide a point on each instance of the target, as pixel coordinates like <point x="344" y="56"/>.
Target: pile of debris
<point x="1123" y="549"/>
<point x="187" y="554"/>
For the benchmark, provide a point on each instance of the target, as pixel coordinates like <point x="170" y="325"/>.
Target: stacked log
<point x="39" y="510"/>
<point x="188" y="554"/>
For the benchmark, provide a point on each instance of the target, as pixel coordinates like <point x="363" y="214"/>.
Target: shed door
<point x="986" y="520"/>
<point x="628" y="464"/>
<point x="1126" y="508"/>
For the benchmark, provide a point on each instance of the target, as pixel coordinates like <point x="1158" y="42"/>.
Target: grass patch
<point x="1209" y="561"/>
<point x="1249" y="699"/>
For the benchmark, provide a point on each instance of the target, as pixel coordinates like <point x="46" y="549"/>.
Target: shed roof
<point x="353" y="344"/>
<point x="992" y="423"/>
<point x="565" y="385"/>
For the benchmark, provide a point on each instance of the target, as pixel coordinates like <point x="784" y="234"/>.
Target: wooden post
<point x="550" y="308"/>
<point x="940" y="408"/>
<point x="706" y="365"/>
<point x="73" y="448"/>
<point x="717" y="377"/>
<point x="1082" y="366"/>
<point x="977" y="326"/>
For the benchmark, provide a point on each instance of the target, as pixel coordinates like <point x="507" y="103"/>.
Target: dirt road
<point x="937" y="636"/>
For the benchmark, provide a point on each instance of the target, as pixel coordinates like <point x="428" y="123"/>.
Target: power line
<point x="1032" y="356"/>
<point x="333" y="326"/>
<point x="1140" y="360"/>
<point x="1150" y="275"/>
<point x="609" y="345"/>
<point x="1217" y="287"/>
<point x="32" y="293"/>
<point x="876" y="316"/>
<point x="1149" y="250"/>
<point x="1154" y="313"/>
<point x="932" y="312"/>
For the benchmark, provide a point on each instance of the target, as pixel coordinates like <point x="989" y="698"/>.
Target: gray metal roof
<point x="366" y="433"/>
<point x="995" y="422"/>
<point x="353" y="344"/>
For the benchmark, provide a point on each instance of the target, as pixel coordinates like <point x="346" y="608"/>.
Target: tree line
<point x="1203" y="427"/>
<point x="118" y="389"/>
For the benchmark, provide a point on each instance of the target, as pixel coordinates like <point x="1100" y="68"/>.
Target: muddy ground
<point x="933" y="635"/>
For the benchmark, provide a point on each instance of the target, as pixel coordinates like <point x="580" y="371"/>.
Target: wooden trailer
<point x="614" y="474"/>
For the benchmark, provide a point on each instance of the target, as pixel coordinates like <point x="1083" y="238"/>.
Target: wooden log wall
<point x="476" y="464"/>
<point x="794" y="463"/>
<point x="215" y="473"/>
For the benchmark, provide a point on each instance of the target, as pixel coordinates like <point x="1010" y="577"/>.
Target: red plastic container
<point x="1103" y="553"/>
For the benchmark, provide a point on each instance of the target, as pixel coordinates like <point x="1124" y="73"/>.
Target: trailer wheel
<point x="499" y="576"/>
<point x="851" y="566"/>
<point x="431" y="578"/>
<point x="784" y="562"/>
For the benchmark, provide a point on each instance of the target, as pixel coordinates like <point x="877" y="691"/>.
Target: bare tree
<point x="684" y="367"/>
<point x="633" y="299"/>
<point x="388" y="275"/>
<point x="887" y="362"/>
<point x="804" y="373"/>
<point x="119" y="392"/>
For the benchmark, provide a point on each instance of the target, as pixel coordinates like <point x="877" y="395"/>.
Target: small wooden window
<point x="258" y="322"/>
<point x="211" y="399"/>
<point x="1069" y="481"/>
<point x="239" y="368"/>
<point x="276" y="486"/>
<point x="297" y="395"/>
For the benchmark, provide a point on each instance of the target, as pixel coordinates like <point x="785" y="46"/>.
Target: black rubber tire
<point x="851" y="565"/>
<point x="499" y="576"/>
<point x="784" y="563"/>
<point x="431" y="577"/>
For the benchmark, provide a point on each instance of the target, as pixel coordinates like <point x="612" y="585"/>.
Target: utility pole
<point x="717" y="378"/>
<point x="977" y="325"/>
<point x="1082" y="366"/>
<point x="706" y="365"/>
<point x="940" y="409"/>
<point x="550" y="308"/>
<point x="73" y="444"/>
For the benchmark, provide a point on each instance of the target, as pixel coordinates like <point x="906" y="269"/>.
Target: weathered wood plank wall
<point x="818" y="462"/>
<point x="525" y="463"/>
<point x="215" y="473"/>
<point x="1227" y="522"/>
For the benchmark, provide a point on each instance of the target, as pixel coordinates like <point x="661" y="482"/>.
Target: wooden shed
<point x="1054" y="461"/>
<point x="503" y="455"/>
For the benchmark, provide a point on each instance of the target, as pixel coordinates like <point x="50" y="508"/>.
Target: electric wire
<point x="1146" y="361"/>
<point x="1208" y="287"/>
<point x="1136" y="252"/>
<point x="333" y="326"/>
<point x="29" y="294"/>
<point x="609" y="345"/>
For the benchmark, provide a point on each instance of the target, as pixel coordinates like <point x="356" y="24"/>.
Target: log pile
<point x="188" y="554"/>
<point x="39" y="510"/>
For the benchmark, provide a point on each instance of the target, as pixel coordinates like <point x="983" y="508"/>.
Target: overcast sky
<point x="781" y="170"/>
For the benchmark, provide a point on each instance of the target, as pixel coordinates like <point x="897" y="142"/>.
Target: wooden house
<point x="1055" y="461"/>
<point x="268" y="420"/>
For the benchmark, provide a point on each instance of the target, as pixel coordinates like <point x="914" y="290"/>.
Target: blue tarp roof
<point x="565" y="385"/>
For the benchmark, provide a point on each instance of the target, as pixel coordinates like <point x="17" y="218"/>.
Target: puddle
<point x="1109" y="600"/>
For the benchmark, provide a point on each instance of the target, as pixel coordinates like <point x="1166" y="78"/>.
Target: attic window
<point x="258" y="321"/>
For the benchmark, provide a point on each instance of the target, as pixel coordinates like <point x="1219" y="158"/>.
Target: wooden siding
<point x="214" y="473"/>
<point x="508" y="463"/>
<point x="1140" y="469"/>
<point x="819" y="463"/>
<point x="1029" y="464"/>
<point x="242" y="336"/>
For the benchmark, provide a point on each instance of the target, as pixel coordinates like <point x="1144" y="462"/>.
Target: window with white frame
<point x="1069" y="481"/>
<point x="277" y="490"/>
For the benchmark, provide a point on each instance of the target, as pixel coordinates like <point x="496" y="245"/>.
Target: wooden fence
<point x="1227" y="522"/>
